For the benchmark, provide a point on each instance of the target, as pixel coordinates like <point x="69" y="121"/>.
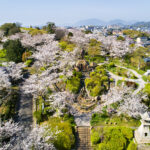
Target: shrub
<point x="38" y="116"/>
<point x="96" y="135"/>
<point x="65" y="139"/>
<point x="67" y="46"/>
<point x="97" y="82"/>
<point x="147" y="88"/>
<point x="111" y="65"/>
<point x="14" y="50"/>
<point x="29" y="62"/>
<point x="73" y="84"/>
<point x="2" y="53"/>
<point x="132" y="146"/>
<point x="8" y="107"/>
<point x="116" y="138"/>
<point x="94" y="48"/>
<point x="120" y="38"/>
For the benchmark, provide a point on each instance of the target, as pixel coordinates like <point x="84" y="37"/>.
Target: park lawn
<point x="114" y="120"/>
<point x="121" y="63"/>
<point x="96" y="59"/>
<point x="122" y="72"/>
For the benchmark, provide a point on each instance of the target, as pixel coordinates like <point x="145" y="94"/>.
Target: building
<point x="142" y="134"/>
<point x="141" y="40"/>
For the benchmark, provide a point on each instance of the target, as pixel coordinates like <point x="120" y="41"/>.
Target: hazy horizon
<point x="38" y="12"/>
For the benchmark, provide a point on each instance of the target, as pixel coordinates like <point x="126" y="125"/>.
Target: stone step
<point x="83" y="138"/>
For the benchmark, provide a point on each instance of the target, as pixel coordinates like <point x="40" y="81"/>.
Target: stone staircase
<point x="83" y="138"/>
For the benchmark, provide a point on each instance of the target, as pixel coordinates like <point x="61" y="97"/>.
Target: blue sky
<point x="38" y="12"/>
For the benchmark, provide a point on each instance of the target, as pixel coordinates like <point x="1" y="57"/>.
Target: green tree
<point x="65" y="139"/>
<point x="10" y="28"/>
<point x="50" y="27"/>
<point x="137" y="58"/>
<point x="94" y="48"/>
<point x="120" y="38"/>
<point x="14" y="50"/>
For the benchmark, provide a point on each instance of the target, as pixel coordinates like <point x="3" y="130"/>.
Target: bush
<point x="14" y="50"/>
<point x="2" y="53"/>
<point x="120" y="38"/>
<point x="67" y="46"/>
<point x="8" y="107"/>
<point x="73" y="84"/>
<point x="132" y="146"/>
<point x="96" y="135"/>
<point x="116" y="138"/>
<point x="10" y="28"/>
<point x="97" y="82"/>
<point x="94" y="48"/>
<point x="65" y="139"/>
<point x="38" y="116"/>
<point x="29" y="62"/>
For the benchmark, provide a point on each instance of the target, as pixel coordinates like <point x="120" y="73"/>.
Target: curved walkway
<point x="139" y="81"/>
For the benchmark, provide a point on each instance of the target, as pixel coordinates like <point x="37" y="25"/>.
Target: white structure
<point x="141" y="40"/>
<point x="142" y="134"/>
<point x="147" y="73"/>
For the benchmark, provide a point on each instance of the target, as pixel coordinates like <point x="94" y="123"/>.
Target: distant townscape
<point x="75" y="88"/>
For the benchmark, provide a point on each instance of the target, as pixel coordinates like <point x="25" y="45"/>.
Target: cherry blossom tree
<point x="129" y="103"/>
<point x="41" y="137"/>
<point x="8" y="131"/>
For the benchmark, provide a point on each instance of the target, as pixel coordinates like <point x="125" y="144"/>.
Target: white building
<point x="141" y="40"/>
<point x="142" y="134"/>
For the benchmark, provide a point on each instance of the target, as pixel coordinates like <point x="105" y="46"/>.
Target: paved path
<point x="83" y="119"/>
<point x="139" y="81"/>
<point x="24" y="117"/>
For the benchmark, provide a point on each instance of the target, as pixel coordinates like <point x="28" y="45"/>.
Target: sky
<point x="62" y="12"/>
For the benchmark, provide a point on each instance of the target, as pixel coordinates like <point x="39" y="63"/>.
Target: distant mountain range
<point x="96" y="22"/>
<point x="142" y="24"/>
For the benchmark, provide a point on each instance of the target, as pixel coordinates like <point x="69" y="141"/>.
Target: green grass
<point x="117" y="61"/>
<point x="122" y="72"/>
<point x="34" y="31"/>
<point x="106" y="120"/>
<point x="96" y="59"/>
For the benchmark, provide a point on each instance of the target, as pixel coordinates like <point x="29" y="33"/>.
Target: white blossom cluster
<point x="32" y="41"/>
<point x="129" y="104"/>
<point x="79" y="37"/>
<point x="115" y="47"/>
<point x="4" y="79"/>
<point x="41" y="137"/>
<point x="8" y="130"/>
